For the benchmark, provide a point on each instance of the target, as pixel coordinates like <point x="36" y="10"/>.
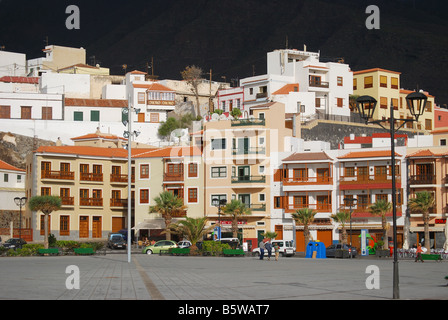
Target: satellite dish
<point x="215" y="117"/>
<point x="222" y="117"/>
<point x="179" y="135"/>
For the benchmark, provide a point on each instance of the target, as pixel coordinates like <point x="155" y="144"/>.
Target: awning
<point x="153" y="224"/>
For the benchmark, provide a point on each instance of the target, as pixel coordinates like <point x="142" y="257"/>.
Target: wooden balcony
<point x="173" y="176"/>
<point x="368" y="181"/>
<point x="119" y="203"/>
<point x="248" y="179"/>
<point x="58" y="175"/>
<point x="68" y="201"/>
<point x="307" y="181"/>
<point x="121" y="178"/>
<point x="91" y="202"/>
<point x="423" y="179"/>
<point x="86" y="176"/>
<point x="318" y="207"/>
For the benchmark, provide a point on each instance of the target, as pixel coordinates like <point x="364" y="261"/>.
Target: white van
<point x="286" y="248"/>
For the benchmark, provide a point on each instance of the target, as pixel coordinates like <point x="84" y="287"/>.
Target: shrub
<point x="214" y="247"/>
<point x="51" y="240"/>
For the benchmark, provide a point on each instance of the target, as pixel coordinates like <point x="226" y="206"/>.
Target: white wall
<point x="12" y="64"/>
<point x="72" y="85"/>
<point x="34" y="100"/>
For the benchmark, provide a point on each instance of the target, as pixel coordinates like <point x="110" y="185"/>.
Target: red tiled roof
<point x="173" y="152"/>
<point x="31" y="80"/>
<point x="368" y="154"/>
<point x="374" y="70"/>
<point x="98" y="136"/>
<point x="422" y="153"/>
<point x="307" y="156"/>
<point x="90" y="151"/>
<point x="152" y="86"/>
<point x="291" y="87"/>
<point x="7" y="166"/>
<point x="77" y="102"/>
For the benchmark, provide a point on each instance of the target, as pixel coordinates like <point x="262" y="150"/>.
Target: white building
<point x="12" y="64"/>
<point x="12" y="184"/>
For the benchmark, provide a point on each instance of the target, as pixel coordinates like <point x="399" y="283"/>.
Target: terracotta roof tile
<point x="291" y="87"/>
<point x="422" y="153"/>
<point x="170" y="152"/>
<point x="31" y="80"/>
<point x="307" y="156"/>
<point x="152" y="86"/>
<point x="97" y="136"/>
<point x="368" y="154"/>
<point x="77" y="102"/>
<point x="90" y="151"/>
<point x="7" y="166"/>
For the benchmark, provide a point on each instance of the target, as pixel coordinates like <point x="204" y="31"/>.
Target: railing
<point x="121" y="178"/>
<point x="248" y="122"/>
<point x="91" y="202"/>
<point x="68" y="201"/>
<point x="319" y="207"/>
<point x="369" y="179"/>
<point x="86" y="176"/>
<point x="248" y="179"/>
<point x="257" y="206"/>
<point x="252" y="150"/>
<point x="62" y="175"/>
<point x="261" y="95"/>
<point x="307" y="180"/>
<point x="423" y="179"/>
<point x="173" y="177"/>
<point x="116" y="202"/>
<point x="320" y="84"/>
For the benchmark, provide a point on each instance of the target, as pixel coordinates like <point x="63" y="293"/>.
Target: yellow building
<point x="384" y="86"/>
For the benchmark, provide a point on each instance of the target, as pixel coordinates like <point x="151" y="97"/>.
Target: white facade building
<point x="12" y="184"/>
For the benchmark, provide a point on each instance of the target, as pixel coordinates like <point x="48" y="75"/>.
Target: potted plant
<point x="380" y="251"/>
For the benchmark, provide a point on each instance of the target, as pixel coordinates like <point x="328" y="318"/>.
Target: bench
<point x="49" y="251"/>
<point x="180" y="251"/>
<point x="233" y="252"/>
<point x="436" y="257"/>
<point x="83" y="251"/>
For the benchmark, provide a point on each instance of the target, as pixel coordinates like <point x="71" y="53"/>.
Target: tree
<point x="235" y="209"/>
<point x="270" y="235"/>
<point x="46" y="204"/>
<point x="422" y="203"/>
<point x="304" y="216"/>
<point x="167" y="204"/>
<point x="342" y="217"/>
<point x="193" y="76"/>
<point x="381" y="208"/>
<point x="192" y="229"/>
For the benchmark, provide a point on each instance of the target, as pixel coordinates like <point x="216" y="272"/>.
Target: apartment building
<point x="384" y="86"/>
<point x="428" y="171"/>
<point x="175" y="169"/>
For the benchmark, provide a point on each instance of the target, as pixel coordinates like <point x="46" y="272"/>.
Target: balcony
<point x="261" y="95"/>
<point x="257" y="206"/>
<point x="68" y="201"/>
<point x="120" y="178"/>
<point x="307" y="181"/>
<point x="58" y="175"/>
<point x="423" y="179"/>
<point x="86" y="176"/>
<point x="119" y="203"/>
<point x="318" y="207"/>
<point x="91" y="202"/>
<point x="173" y="176"/>
<point x="248" y="122"/>
<point x="248" y="179"/>
<point x="368" y="181"/>
<point x="253" y="150"/>
<point x="320" y="84"/>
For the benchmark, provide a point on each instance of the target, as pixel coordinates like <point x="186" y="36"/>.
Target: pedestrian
<point x="419" y="253"/>
<point x="276" y="251"/>
<point x="269" y="248"/>
<point x="262" y="247"/>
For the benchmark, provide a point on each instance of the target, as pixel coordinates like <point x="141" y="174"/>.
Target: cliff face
<point x="14" y="148"/>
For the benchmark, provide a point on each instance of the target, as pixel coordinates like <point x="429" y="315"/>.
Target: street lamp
<point x="351" y="202"/>
<point x="128" y="134"/>
<point x="21" y="203"/>
<point x="219" y="203"/>
<point x="416" y="103"/>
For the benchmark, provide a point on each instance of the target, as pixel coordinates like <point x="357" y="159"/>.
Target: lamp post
<point x="128" y="135"/>
<point x="350" y="202"/>
<point x="219" y="203"/>
<point x="416" y="102"/>
<point x="20" y="201"/>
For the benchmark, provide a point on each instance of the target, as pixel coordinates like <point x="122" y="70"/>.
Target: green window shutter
<point x="94" y="115"/>
<point x="78" y="116"/>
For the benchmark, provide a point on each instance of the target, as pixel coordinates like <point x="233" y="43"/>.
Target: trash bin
<point x="315" y="250"/>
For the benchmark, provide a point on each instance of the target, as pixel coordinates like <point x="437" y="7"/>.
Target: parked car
<point x="158" y="246"/>
<point x="184" y="244"/>
<point x="116" y="241"/>
<point x="286" y="248"/>
<point x="331" y="250"/>
<point x="233" y="242"/>
<point x="14" y="243"/>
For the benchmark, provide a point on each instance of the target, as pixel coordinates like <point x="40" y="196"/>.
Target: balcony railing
<point x="307" y="181"/>
<point x="86" y="176"/>
<point x="120" y="203"/>
<point x="173" y="177"/>
<point x="368" y="179"/>
<point x="261" y="95"/>
<point x="61" y="175"/>
<point x="423" y="179"/>
<point x="319" y="207"/>
<point x="252" y="150"/>
<point x="257" y="206"/>
<point x="121" y="178"/>
<point x="248" y="179"/>
<point x="248" y="122"/>
<point x="91" y="202"/>
<point x="320" y="84"/>
<point x="68" y="201"/>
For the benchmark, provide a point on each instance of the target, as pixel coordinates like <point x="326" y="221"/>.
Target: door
<point x="244" y="173"/>
<point x="363" y="173"/>
<point x="96" y="227"/>
<point x="300" y="241"/>
<point x="245" y="198"/>
<point x="83" y="227"/>
<point x="118" y="223"/>
<point x="300" y="174"/>
<point x="243" y="145"/>
<point x="323" y="175"/>
<point x="325" y="236"/>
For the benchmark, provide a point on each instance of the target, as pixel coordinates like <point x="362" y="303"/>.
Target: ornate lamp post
<point x="219" y="203"/>
<point x="21" y="203"/>
<point x="416" y="103"/>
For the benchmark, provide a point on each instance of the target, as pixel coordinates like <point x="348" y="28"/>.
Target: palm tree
<point x="304" y="216"/>
<point x="422" y="204"/>
<point x="235" y="209"/>
<point x="192" y="229"/>
<point x="270" y="235"/>
<point x="342" y="217"/>
<point x="381" y="208"/>
<point x="47" y="204"/>
<point x="167" y="204"/>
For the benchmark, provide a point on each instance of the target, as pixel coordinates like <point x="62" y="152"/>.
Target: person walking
<point x="262" y="247"/>
<point x="269" y="248"/>
<point x="419" y="253"/>
<point x="276" y="251"/>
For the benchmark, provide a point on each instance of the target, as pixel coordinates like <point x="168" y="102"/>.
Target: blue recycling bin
<point x="318" y="247"/>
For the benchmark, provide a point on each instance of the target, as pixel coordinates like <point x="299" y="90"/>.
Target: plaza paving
<point x="111" y="277"/>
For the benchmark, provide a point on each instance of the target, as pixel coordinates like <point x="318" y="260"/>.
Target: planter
<point x="382" y="253"/>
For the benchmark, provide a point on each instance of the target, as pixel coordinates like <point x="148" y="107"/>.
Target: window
<point x="428" y="106"/>
<point x="219" y="172"/>
<point x="428" y="124"/>
<point x="340" y="82"/>
<point x="368" y="82"/>
<point x="394" y="83"/>
<point x="262" y="197"/>
<point x="218" y="144"/>
<point x="277" y="202"/>
<point x="443" y="142"/>
<point x="383" y="81"/>
<point x="47" y="113"/>
<point x="218" y="197"/>
<point x="94" y="115"/>
<point x="395" y="103"/>
<point x="78" y="116"/>
<point x="383" y="102"/>
<point x="192" y="170"/>
<point x="192" y="195"/>
<point x="141" y="97"/>
<point x="5" y="177"/>
<point x="45" y="191"/>
<point x="144" y="196"/>
<point x="350" y="172"/>
<point x="144" y="171"/>
<point x="64" y="226"/>
<point x="5" y="112"/>
<point x="355" y="84"/>
<point x="19" y="178"/>
<point x="340" y="102"/>
<point x="154" y="117"/>
<point x="25" y="112"/>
